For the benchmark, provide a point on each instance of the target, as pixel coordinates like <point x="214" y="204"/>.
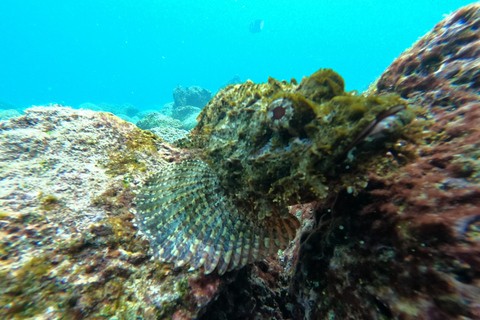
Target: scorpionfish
<point x="257" y="149"/>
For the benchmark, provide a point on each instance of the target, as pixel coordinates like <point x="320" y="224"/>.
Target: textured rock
<point x="68" y="248"/>
<point x="155" y="119"/>
<point x="169" y="134"/>
<point x="167" y="109"/>
<point x="187" y="115"/>
<point x="179" y="96"/>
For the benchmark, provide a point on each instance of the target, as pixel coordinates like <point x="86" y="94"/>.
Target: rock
<point x="179" y="96"/>
<point x="155" y="119"/>
<point x="187" y="115"/>
<point x="10" y="113"/>
<point x="89" y="106"/>
<point x="143" y="113"/>
<point x="193" y="96"/>
<point x="69" y="249"/>
<point x="169" y="134"/>
<point x="190" y="121"/>
<point x="197" y="96"/>
<point x="126" y="109"/>
<point x="184" y="112"/>
<point x="167" y="109"/>
<point x="234" y="80"/>
<point x="408" y="247"/>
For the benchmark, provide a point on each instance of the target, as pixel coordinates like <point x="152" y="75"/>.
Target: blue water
<point x="138" y="51"/>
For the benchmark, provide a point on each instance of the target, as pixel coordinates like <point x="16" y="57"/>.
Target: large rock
<point x="169" y="134"/>
<point x="68" y="247"/>
<point x="187" y="115"/>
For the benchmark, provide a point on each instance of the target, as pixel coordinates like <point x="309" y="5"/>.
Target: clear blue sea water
<point x="137" y="52"/>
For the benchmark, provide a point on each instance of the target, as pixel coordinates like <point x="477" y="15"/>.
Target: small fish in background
<point x="256" y="26"/>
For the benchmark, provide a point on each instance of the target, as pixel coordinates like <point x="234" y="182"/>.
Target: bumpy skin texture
<point x="257" y="149"/>
<point x="265" y="156"/>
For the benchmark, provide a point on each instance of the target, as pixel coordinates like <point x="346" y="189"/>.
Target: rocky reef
<point x="401" y="241"/>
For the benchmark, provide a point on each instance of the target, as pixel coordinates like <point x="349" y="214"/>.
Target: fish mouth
<point x="382" y="121"/>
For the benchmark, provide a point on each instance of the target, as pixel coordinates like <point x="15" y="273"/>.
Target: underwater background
<point x="137" y="52"/>
<point x="140" y="185"/>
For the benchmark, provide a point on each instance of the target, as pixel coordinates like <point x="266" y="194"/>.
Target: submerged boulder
<point x="193" y="96"/>
<point x="156" y="119"/>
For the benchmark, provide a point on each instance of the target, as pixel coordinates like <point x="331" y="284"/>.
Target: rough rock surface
<point x="68" y="248"/>
<point x="187" y="115"/>
<point x="155" y="119"/>
<point x="169" y="134"/>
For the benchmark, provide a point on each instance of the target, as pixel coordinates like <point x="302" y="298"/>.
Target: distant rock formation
<point x="191" y="96"/>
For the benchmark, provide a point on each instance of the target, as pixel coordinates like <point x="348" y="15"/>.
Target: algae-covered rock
<point x="68" y="247"/>
<point x="408" y="246"/>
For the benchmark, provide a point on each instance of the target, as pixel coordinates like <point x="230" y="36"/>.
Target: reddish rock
<point x="408" y="247"/>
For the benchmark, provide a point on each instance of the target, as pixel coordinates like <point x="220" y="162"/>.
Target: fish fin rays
<point x="189" y="219"/>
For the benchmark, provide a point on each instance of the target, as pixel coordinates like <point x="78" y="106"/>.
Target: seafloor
<point x="405" y="247"/>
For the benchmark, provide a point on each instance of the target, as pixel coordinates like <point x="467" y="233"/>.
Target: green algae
<point x="30" y="290"/>
<point x="125" y="160"/>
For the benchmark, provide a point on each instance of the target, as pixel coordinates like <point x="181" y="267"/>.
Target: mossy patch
<point x="48" y="201"/>
<point x="124" y="160"/>
<point x="30" y="290"/>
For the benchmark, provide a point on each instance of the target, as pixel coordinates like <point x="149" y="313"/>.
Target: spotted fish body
<point x="257" y="149"/>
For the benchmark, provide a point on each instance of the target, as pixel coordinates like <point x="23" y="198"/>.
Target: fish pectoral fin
<point x="189" y="219"/>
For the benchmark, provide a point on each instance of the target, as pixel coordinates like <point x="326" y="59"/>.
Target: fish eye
<point x="280" y="111"/>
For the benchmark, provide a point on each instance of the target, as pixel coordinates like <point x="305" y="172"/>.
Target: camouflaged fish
<point x="257" y="149"/>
